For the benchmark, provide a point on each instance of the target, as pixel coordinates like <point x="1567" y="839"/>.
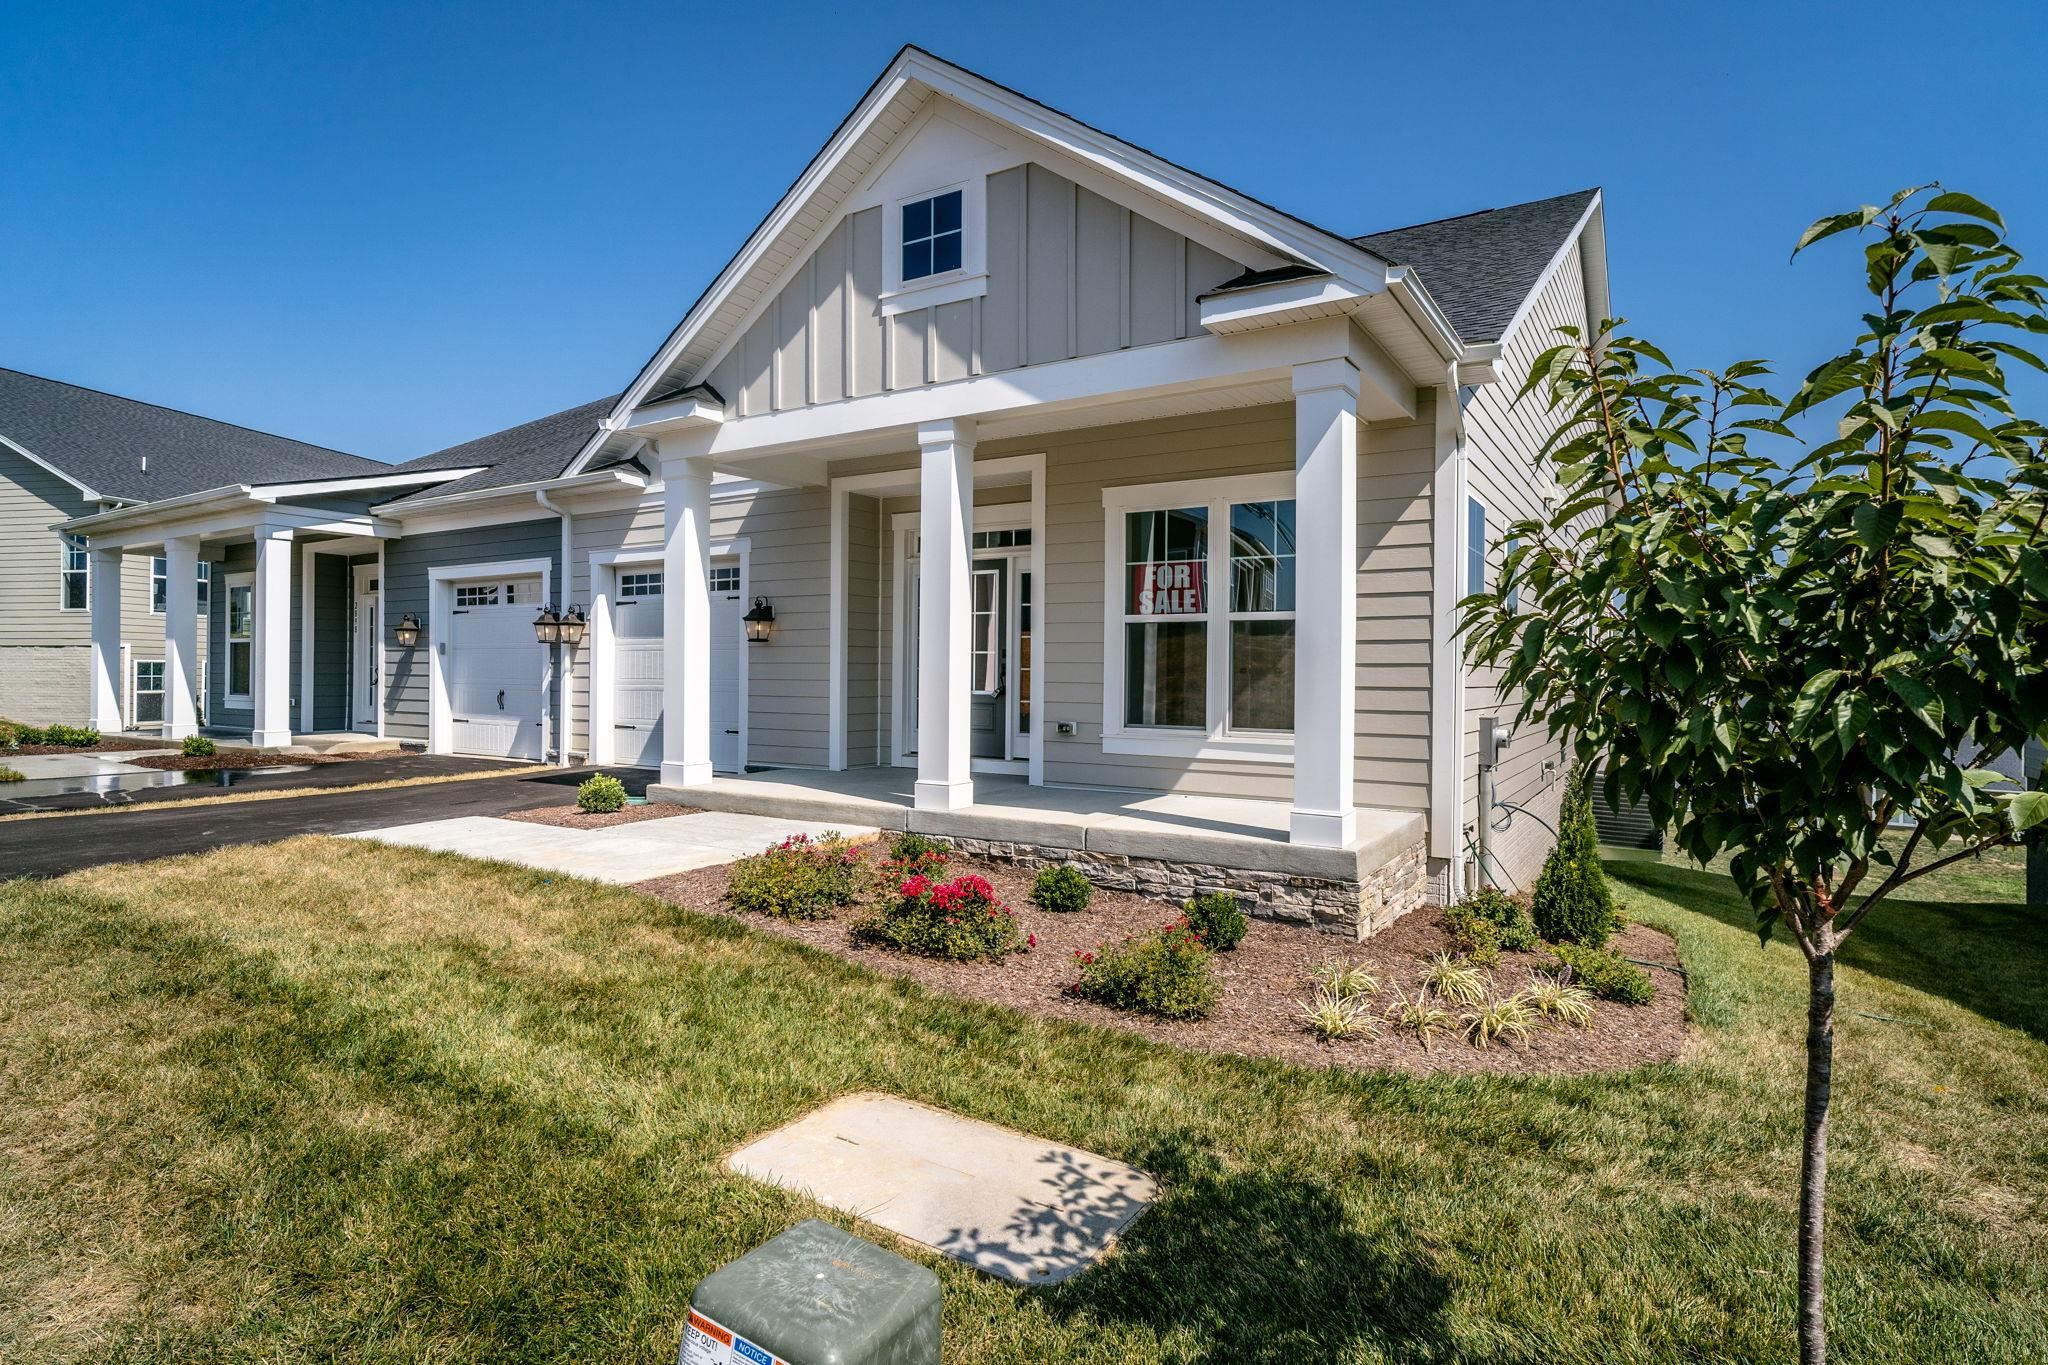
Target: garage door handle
<point x="501" y="699"/>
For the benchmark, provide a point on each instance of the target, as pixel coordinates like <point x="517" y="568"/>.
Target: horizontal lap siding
<point x="1503" y="438"/>
<point x="408" y="677"/>
<point x="1396" y="463"/>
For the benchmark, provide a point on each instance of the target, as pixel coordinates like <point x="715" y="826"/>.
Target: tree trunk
<point x="1813" y="1173"/>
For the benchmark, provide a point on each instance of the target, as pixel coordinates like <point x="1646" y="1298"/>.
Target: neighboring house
<point x="1050" y="458"/>
<point x="67" y="452"/>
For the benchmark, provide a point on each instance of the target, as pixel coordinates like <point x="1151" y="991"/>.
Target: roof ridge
<point x="1475" y="213"/>
<point x="516" y="426"/>
<point x="182" y="412"/>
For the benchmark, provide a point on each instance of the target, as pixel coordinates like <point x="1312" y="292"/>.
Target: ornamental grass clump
<point x="1558" y="1001"/>
<point x="1345" y="978"/>
<point x="601" y="795"/>
<point x="1456" y="979"/>
<point x="1423" y="1014"/>
<point x="961" y="920"/>
<point x="1504" y="1017"/>
<point x="1333" y="1016"/>
<point x="1168" y="973"/>
<point x="799" y="878"/>
<point x="1063" y="889"/>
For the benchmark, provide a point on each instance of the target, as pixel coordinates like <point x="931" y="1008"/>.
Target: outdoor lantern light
<point x="547" y="627"/>
<point x="572" y="626"/>
<point x="407" y="631"/>
<point x="760" y="621"/>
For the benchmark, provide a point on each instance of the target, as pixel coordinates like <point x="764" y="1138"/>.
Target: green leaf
<point x="2027" y="809"/>
<point x="1808" y="703"/>
<point x="1955" y="201"/>
<point x="1877" y="523"/>
<point x="1841" y="222"/>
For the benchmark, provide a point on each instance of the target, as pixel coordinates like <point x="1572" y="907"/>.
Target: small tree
<point x="1572" y="902"/>
<point x="1783" y="659"/>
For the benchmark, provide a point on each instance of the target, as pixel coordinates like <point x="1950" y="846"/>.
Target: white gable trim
<point x="1111" y="156"/>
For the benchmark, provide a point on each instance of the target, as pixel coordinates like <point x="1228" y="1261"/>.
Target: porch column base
<point x="685" y="774"/>
<point x="1322" y="828"/>
<point x="943" y="795"/>
<point x="270" y="739"/>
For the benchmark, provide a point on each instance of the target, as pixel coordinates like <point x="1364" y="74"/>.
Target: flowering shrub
<point x="1214" y="914"/>
<point x="799" y="878"/>
<point x="960" y="919"/>
<point x="1165" y="973"/>
<point x="911" y="847"/>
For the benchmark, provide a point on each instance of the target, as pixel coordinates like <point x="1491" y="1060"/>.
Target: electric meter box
<point x="814" y="1296"/>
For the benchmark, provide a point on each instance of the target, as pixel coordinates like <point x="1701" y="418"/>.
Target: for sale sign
<point x="1168" y="588"/>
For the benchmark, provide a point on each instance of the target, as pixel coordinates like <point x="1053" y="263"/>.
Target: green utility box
<point x="814" y="1296"/>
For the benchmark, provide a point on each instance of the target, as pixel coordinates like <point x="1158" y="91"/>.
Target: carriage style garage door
<point x="637" y="666"/>
<point x="495" y="698"/>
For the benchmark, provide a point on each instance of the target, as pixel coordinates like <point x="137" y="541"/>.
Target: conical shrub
<point x="1572" y="902"/>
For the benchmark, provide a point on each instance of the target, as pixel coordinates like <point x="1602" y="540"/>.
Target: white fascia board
<point x="366" y="483"/>
<point x="1424" y="311"/>
<point x="185" y="504"/>
<point x="39" y="462"/>
<point x="1182" y="188"/>
<point x="682" y="412"/>
<point x="523" y="492"/>
<point x="1282" y="301"/>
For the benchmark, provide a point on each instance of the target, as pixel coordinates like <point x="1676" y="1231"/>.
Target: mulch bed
<point x="104" y="746"/>
<point x="1265" y="982"/>
<point x="572" y="817"/>
<point x="249" y="758"/>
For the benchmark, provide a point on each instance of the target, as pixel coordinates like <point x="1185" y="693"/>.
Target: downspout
<point x="565" y="655"/>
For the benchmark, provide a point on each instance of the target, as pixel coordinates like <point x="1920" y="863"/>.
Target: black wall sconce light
<point x="407" y="631"/>
<point x="760" y="621"/>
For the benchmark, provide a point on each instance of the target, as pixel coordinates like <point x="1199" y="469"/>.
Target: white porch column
<point x="1325" y="602"/>
<point x="686" y="623"/>
<point x="103" y="589"/>
<point x="945" y="523"/>
<point x="272" y="638"/>
<point x="181" y="636"/>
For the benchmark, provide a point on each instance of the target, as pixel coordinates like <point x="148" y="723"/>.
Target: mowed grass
<point x="326" y="1100"/>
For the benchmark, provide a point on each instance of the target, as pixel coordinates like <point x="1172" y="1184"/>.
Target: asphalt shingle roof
<point x="100" y="440"/>
<point x="1480" y="266"/>
<point x="527" y="453"/>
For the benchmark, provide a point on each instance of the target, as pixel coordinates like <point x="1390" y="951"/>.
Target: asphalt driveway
<point x="52" y="847"/>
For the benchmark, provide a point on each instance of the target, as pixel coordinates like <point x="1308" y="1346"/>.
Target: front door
<point x="988" y="607"/>
<point x="366" y="660"/>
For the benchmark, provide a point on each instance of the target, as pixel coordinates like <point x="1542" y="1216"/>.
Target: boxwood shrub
<point x="602" y="794"/>
<point x="198" y="746"/>
<point x="1168" y="973"/>
<point x="1605" y="973"/>
<point x="1063" y="888"/>
<point x="1214" y="916"/>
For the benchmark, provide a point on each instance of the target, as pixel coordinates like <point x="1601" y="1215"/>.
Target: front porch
<point x="1167" y="844"/>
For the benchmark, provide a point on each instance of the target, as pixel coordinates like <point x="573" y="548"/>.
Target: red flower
<point x="1031" y="940"/>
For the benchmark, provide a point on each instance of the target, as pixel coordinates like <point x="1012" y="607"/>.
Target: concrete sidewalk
<point x="621" y="855"/>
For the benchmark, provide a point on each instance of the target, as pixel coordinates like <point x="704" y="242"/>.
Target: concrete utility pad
<point x="622" y="855"/>
<point x="1013" y="1206"/>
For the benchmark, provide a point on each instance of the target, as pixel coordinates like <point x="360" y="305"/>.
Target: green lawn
<point x="325" y="1100"/>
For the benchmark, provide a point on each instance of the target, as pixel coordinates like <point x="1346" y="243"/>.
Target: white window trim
<point x="969" y="281"/>
<point x="1217" y="742"/>
<point x="64" y="571"/>
<point x="135" y="691"/>
<point x="240" y="700"/>
<point x="154" y="577"/>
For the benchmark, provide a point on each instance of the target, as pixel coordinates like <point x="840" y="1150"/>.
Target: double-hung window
<point x="205" y="598"/>
<point x="1200" y="647"/>
<point x="239" y="663"/>
<point x="159" y="584"/>
<point x="73" y="573"/>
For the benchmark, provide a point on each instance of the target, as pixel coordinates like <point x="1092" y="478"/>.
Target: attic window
<point x="933" y="236"/>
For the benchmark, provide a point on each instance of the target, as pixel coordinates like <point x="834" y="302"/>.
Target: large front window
<point x="1206" y="586"/>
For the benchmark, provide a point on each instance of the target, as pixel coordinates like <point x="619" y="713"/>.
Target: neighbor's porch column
<point x="686" y="623"/>
<point x="945" y="524"/>
<point x="103" y="596"/>
<point x="181" y="636"/>
<point x="1325" y="602"/>
<point x="272" y="638"/>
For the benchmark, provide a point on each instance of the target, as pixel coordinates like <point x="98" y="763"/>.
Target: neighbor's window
<point x="149" y="692"/>
<point x="73" y="574"/>
<point x="205" y="590"/>
<point x="241" y="620"/>
<point x="159" y="584"/>
<point x="932" y="236"/>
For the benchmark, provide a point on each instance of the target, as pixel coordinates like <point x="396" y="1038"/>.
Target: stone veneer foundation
<point x="1359" y="907"/>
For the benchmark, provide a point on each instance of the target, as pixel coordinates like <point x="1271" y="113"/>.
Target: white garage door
<point x="493" y="669"/>
<point x="637" y="667"/>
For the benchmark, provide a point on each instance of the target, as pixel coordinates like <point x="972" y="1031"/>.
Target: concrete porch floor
<point x="1222" y="831"/>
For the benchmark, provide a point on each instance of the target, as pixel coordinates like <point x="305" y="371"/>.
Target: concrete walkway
<point x="622" y="855"/>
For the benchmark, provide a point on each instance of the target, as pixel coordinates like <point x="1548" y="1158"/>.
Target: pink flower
<point x="1031" y="940"/>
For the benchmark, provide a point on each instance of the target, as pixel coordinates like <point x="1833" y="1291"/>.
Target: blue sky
<point x="388" y="228"/>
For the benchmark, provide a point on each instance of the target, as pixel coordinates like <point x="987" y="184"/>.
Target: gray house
<point x="1010" y="482"/>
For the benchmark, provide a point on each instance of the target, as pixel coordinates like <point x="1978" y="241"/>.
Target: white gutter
<point x="565" y="667"/>
<point x="514" y="490"/>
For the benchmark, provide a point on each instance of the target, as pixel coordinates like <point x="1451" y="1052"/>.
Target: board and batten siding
<point x="408" y="678"/>
<point x="1070" y="274"/>
<point x="1502" y="440"/>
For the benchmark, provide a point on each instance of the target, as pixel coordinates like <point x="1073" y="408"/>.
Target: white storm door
<point x="366" y="668"/>
<point x="728" y="638"/>
<point x="495" y="697"/>
<point x="637" y="669"/>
